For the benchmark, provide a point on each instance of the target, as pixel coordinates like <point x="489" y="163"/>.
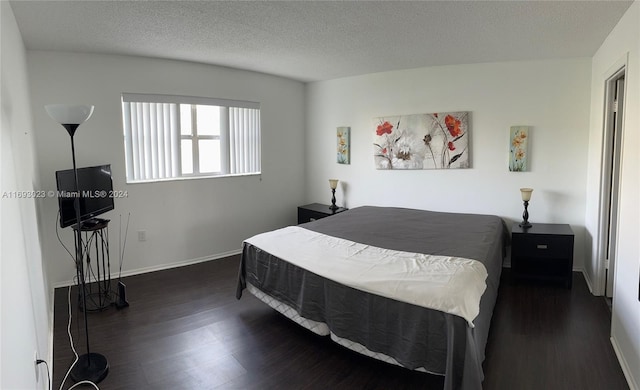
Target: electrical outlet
<point x="142" y="235"/>
<point x="35" y="364"/>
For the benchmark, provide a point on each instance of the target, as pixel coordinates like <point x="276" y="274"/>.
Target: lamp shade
<point x="526" y="193"/>
<point x="333" y="183"/>
<point x="69" y="114"/>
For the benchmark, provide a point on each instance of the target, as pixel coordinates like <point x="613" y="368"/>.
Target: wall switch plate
<point x="142" y="235"/>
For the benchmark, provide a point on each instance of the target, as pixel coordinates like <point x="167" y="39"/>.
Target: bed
<point x="411" y="287"/>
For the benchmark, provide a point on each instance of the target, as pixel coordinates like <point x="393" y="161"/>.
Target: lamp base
<point x="525" y="224"/>
<point x="333" y="206"/>
<point x="93" y="369"/>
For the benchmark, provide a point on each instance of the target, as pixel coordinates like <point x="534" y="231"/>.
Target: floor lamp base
<point x="94" y="369"/>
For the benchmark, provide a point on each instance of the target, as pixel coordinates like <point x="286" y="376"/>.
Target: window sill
<point x="198" y="177"/>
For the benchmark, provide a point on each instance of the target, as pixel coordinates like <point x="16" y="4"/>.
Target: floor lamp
<point x="90" y="366"/>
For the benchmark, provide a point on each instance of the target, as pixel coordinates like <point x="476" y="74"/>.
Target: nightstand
<point x="543" y="251"/>
<point x="311" y="212"/>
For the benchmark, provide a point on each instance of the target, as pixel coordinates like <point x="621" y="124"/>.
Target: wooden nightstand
<point x="311" y="212"/>
<point x="543" y="251"/>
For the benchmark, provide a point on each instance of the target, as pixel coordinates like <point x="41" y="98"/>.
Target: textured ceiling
<point x="317" y="40"/>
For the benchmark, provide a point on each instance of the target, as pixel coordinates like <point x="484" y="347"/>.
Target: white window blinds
<point x="244" y="138"/>
<point x="169" y="137"/>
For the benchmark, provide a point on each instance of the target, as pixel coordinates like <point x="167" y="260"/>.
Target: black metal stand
<point x="97" y="264"/>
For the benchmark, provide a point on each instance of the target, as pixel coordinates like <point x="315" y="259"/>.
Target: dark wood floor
<point x="185" y="330"/>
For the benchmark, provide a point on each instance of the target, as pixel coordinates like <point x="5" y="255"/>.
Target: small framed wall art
<point x="518" y="148"/>
<point x="344" y="145"/>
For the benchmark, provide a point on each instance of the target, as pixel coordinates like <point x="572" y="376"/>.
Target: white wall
<point x="622" y="43"/>
<point x="185" y="220"/>
<point x="24" y="321"/>
<point x="550" y="96"/>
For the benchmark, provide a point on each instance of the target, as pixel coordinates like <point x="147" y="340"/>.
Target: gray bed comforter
<point x="415" y="336"/>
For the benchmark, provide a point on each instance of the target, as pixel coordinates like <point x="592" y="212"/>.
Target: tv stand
<point x="95" y="251"/>
<point x="93" y="223"/>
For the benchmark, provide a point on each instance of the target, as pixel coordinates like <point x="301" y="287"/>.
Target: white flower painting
<point x="422" y="141"/>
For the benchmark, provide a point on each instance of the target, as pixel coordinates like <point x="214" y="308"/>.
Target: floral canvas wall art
<point x="422" y="141"/>
<point x="344" y="145"/>
<point x="518" y="144"/>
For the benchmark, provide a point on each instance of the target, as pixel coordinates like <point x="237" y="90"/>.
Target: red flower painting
<point x="422" y="141"/>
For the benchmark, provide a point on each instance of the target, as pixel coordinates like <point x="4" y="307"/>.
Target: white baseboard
<point x="586" y="278"/>
<point x="589" y="282"/>
<point x="626" y="370"/>
<point x="159" y="267"/>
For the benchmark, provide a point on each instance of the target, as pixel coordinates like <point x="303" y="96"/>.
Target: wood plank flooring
<point x="185" y="330"/>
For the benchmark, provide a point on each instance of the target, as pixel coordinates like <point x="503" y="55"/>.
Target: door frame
<point x="618" y="69"/>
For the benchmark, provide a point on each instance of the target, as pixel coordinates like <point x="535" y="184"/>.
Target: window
<point x="168" y="137"/>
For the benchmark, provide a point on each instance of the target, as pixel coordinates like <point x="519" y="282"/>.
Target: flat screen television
<point x="95" y="188"/>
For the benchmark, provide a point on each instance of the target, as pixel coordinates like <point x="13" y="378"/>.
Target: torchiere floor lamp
<point x="90" y="366"/>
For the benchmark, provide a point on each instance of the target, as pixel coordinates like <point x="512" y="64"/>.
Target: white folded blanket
<point x="450" y="284"/>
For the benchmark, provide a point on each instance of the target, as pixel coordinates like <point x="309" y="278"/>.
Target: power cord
<point x="60" y="239"/>
<point x="73" y="348"/>
<point x="84" y="383"/>
<point x="39" y="361"/>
